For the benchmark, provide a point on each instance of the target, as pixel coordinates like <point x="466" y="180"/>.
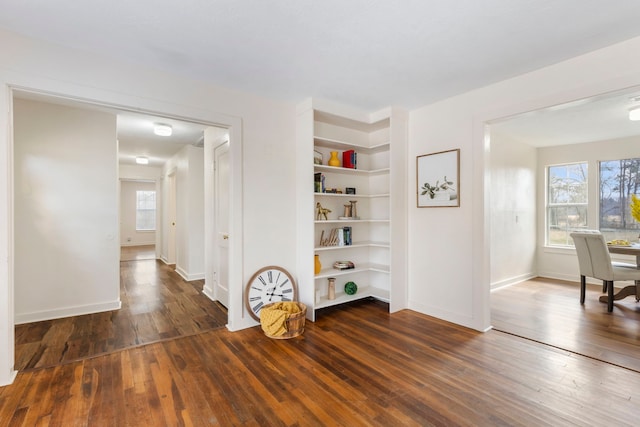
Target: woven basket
<point x="295" y="323"/>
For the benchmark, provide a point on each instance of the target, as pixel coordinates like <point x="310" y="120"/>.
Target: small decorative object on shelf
<point x="317" y="265"/>
<point x="334" y="160"/>
<point x="350" y="211"/>
<point x="350" y="190"/>
<point x="350" y="288"/>
<point x="317" y="157"/>
<point x="343" y="265"/>
<point x="321" y="212"/>
<point x="331" y="292"/>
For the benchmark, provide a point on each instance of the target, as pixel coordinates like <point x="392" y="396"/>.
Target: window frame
<point x="138" y="210"/>
<point x="549" y="205"/>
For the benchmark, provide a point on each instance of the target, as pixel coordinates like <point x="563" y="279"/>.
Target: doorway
<point x="172" y="176"/>
<point x="539" y="290"/>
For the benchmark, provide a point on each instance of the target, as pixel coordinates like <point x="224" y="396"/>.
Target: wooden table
<point x="631" y="289"/>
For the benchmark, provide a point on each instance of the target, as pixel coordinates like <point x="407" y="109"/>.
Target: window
<point x="619" y="179"/>
<point x="145" y="210"/>
<point x="566" y="202"/>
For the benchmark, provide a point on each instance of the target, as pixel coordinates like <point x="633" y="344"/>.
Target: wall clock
<point x="267" y="285"/>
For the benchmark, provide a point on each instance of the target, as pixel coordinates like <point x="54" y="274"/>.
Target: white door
<point x="221" y="223"/>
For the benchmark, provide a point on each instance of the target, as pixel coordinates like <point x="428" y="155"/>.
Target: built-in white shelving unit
<point x="378" y="233"/>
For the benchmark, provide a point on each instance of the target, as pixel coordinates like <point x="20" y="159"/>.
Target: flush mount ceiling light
<point x="141" y="160"/>
<point x="634" y="113"/>
<point x="162" y="129"/>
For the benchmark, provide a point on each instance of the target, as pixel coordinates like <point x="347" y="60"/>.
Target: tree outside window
<point x="145" y="210"/>
<point x="567" y="200"/>
<point x="619" y="179"/>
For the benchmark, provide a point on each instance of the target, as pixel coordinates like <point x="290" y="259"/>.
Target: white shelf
<point x="354" y="245"/>
<point x="333" y="272"/>
<point x="379" y="140"/>
<point x="368" y="196"/>
<point x="364" y="292"/>
<point x="349" y="171"/>
<point x="343" y="221"/>
<point x="343" y="145"/>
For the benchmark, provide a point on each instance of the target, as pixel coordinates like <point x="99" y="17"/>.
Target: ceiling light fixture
<point x="162" y="129"/>
<point x="141" y="160"/>
<point x="634" y="113"/>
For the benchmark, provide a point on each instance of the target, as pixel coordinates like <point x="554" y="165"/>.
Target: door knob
<point x="225" y="236"/>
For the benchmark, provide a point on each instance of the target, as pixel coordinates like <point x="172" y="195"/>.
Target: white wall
<point x="66" y="211"/>
<point x="129" y="236"/>
<point x="513" y="212"/>
<point x="188" y="166"/>
<point x="262" y="131"/>
<point x="449" y="248"/>
<point x="561" y="263"/>
<point x="139" y="172"/>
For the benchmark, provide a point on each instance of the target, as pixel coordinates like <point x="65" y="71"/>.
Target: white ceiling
<point x="365" y="53"/>
<point x="600" y="118"/>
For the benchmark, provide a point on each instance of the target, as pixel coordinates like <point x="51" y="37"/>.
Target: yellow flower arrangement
<point x="635" y="207"/>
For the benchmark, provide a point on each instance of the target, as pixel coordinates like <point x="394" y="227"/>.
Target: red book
<point x="347" y="159"/>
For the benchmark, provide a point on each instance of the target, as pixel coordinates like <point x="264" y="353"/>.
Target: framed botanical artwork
<point x="438" y="179"/>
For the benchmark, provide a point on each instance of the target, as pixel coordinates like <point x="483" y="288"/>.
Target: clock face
<point x="267" y="285"/>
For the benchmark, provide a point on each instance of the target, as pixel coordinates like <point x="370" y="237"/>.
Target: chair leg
<point x="610" y="299"/>
<point x="583" y="285"/>
<point x="604" y="286"/>
<point x="637" y="290"/>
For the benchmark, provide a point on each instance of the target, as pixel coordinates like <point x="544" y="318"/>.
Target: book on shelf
<point x="318" y="182"/>
<point x="343" y="265"/>
<point x="347" y="235"/>
<point x="349" y="159"/>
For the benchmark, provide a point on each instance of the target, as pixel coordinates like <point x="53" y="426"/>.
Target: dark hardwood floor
<point x="549" y="311"/>
<point x="157" y="304"/>
<point x="357" y="365"/>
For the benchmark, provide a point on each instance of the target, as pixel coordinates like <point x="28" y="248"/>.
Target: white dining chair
<point x="595" y="261"/>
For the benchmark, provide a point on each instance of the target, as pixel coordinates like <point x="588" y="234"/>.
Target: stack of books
<point x="343" y="265"/>
<point x="318" y="181"/>
<point x="349" y="159"/>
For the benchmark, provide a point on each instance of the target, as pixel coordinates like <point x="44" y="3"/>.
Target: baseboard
<point x="10" y="379"/>
<point x="208" y="292"/>
<point x="448" y="316"/>
<point x="512" y="281"/>
<point x="189" y="277"/>
<point x="66" y="312"/>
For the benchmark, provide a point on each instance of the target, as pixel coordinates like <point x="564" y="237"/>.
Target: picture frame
<point x="438" y="179"/>
<point x="317" y="157"/>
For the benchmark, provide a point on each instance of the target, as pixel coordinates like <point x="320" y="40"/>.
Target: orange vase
<point x="318" y="266"/>
<point x="334" y="160"/>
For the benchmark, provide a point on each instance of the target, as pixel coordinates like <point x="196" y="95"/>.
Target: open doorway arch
<point x="231" y="126"/>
